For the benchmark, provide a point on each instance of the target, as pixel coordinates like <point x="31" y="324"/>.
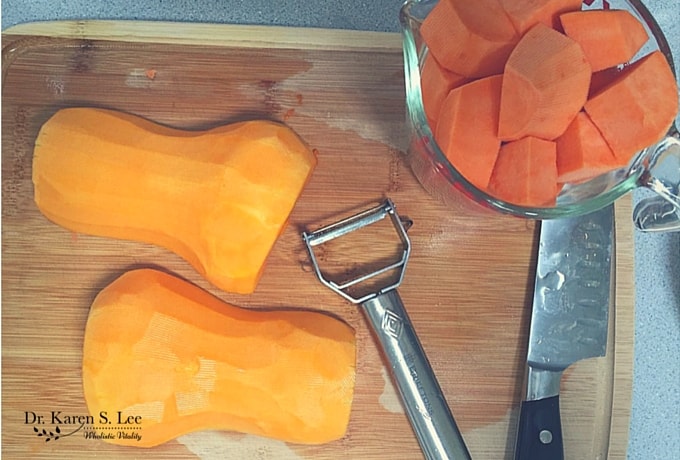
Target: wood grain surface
<point x="467" y="287"/>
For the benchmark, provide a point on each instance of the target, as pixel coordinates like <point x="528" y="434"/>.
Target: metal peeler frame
<point x="426" y="407"/>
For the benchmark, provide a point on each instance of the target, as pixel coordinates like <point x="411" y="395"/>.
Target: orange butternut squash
<point x="525" y="172"/>
<point x="218" y="198"/>
<point x="470" y="38"/>
<point x="545" y="84"/>
<point x="467" y="130"/>
<point x="525" y="14"/>
<point x="582" y="152"/>
<point x="637" y="108"/>
<point x="436" y="83"/>
<point x="608" y="37"/>
<point x="173" y="358"/>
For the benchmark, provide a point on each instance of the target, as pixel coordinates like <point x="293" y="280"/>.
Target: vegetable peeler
<point x="426" y="408"/>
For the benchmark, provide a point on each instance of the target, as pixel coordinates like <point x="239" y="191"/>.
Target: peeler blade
<point x="352" y="224"/>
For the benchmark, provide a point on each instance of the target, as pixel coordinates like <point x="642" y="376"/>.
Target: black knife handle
<point x="540" y="430"/>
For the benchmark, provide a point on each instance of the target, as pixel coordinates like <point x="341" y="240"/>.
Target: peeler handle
<point x="420" y="392"/>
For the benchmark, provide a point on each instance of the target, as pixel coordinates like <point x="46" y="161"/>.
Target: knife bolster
<point x="542" y="383"/>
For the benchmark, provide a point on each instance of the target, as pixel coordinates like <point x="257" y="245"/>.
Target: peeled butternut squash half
<point x="218" y="198"/>
<point x="171" y="358"/>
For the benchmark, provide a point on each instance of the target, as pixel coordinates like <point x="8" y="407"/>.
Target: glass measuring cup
<point x="656" y="168"/>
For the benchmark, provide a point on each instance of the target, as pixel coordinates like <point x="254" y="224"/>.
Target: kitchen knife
<point x="569" y="321"/>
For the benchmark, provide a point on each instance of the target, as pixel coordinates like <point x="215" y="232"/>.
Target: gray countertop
<point x="655" y="419"/>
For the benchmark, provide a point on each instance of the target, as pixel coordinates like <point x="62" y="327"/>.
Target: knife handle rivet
<point x="545" y="436"/>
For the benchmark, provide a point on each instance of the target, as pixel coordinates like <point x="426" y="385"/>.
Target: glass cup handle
<point x="661" y="213"/>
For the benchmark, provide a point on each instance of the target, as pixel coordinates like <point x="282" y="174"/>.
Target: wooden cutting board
<point x="468" y="283"/>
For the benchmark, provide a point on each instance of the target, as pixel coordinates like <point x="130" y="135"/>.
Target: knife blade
<point x="569" y="321"/>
